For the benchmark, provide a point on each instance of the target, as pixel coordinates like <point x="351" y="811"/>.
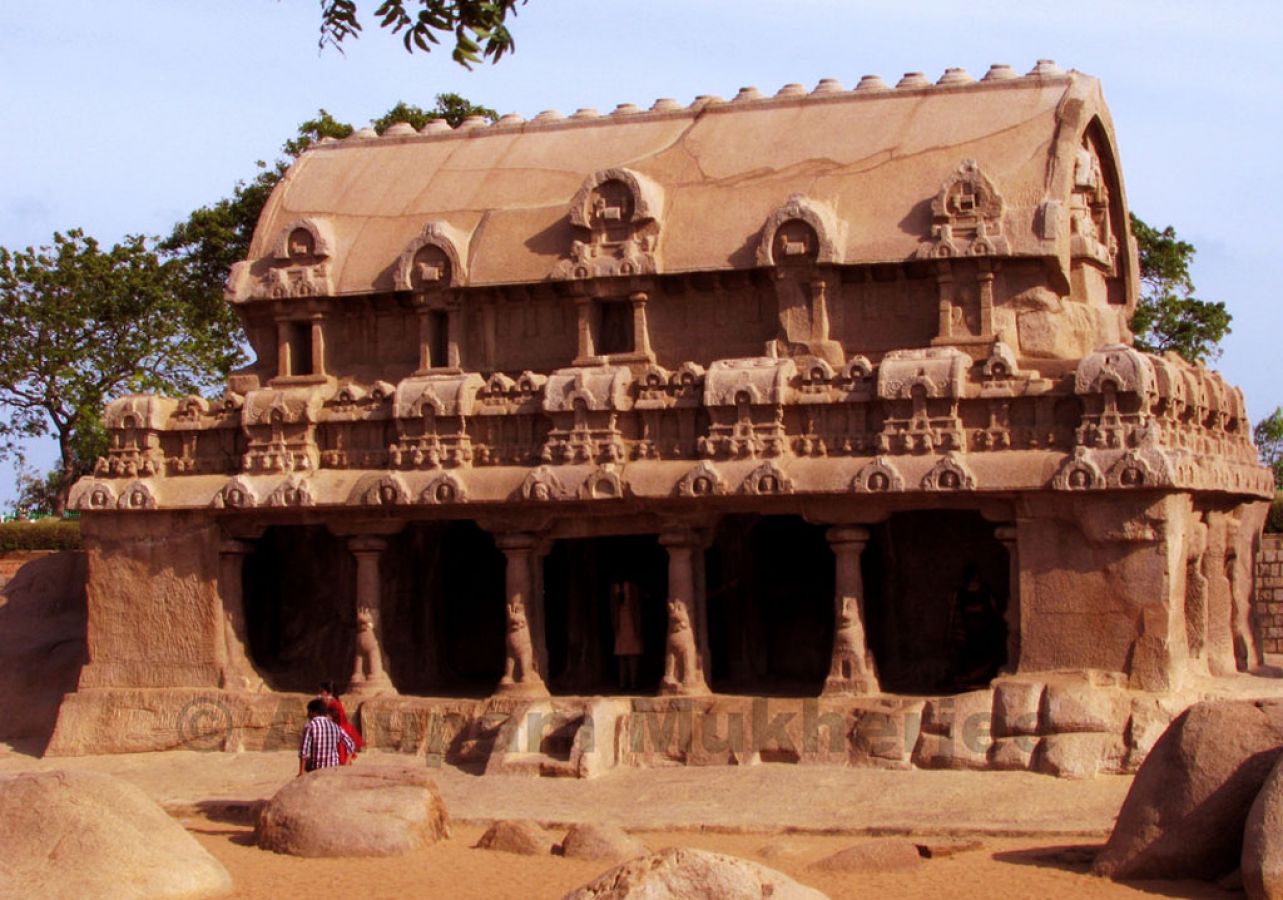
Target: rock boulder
<point x="1185" y="813"/>
<point x="354" y="811"/>
<point x="879" y="855"/>
<point x="83" y="834"/>
<point x="520" y="836"/>
<point x="1262" y="860"/>
<point x="678" y="874"/>
<point x="592" y="840"/>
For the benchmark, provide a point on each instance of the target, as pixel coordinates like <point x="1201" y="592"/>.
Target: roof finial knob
<point x="435" y="126"/>
<point x="828" y="86"/>
<point x="585" y="112"/>
<point x="665" y="104"/>
<point x="999" y="72"/>
<point x="399" y="128"/>
<point x="472" y="122"/>
<point x="549" y="115"/>
<point x="793" y="89"/>
<point x="511" y="119"/>
<point x="871" y="83"/>
<point x="913" y="80"/>
<point x="747" y="94"/>
<point x="955" y="75"/>
<point x="626" y="109"/>
<point x="1045" y="69"/>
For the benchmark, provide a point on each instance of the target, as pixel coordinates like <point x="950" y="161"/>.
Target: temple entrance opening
<point x="936" y="592"/>
<point x="444" y="617"/>
<point x="770" y="606"/>
<point x="603" y="595"/>
<point x="298" y="585"/>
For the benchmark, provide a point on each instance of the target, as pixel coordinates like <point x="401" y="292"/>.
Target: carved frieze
<point x="604" y="483"/>
<point x="877" y="477"/>
<point x="584" y="404"/>
<point x="616" y="215"/>
<point x="949" y="474"/>
<point x="137" y="495"/>
<point x="237" y="493"/>
<point x="966" y="217"/>
<point x="1146" y="468"/>
<point x="802" y="231"/>
<point x="435" y="260"/>
<point x="294" y="491"/>
<point x="745" y="400"/>
<point x="299" y="265"/>
<point x="444" y="488"/>
<point x="1078" y="472"/>
<point x="430" y="414"/>
<point x="702" y="481"/>
<point x="386" y="490"/>
<point x="766" y="479"/>
<point x="1091" y="230"/>
<point x="542" y="485"/>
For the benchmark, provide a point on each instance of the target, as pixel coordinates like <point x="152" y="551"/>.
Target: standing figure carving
<point x="519" y="665"/>
<point x="681" y="659"/>
<point x="369" y="658"/>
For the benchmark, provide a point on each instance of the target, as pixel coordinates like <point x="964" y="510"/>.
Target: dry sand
<point x="1032" y="829"/>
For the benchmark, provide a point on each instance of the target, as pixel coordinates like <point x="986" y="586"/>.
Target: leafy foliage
<point x="1268" y="437"/>
<point x="479" y="27"/>
<point x="79" y="324"/>
<point x="44" y="534"/>
<point x="1169" y="316"/>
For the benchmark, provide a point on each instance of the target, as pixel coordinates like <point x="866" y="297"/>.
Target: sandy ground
<point x="1030" y="835"/>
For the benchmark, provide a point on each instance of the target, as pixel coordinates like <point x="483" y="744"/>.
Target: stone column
<point x="683" y="661"/>
<point x="318" y="347"/>
<point x="641" y="331"/>
<point x="1007" y="534"/>
<point x="586" y="347"/>
<point x="852" y="670"/>
<point x="369" y="677"/>
<point x="521" y="647"/>
<point x="454" y="335"/>
<point x="237" y="672"/>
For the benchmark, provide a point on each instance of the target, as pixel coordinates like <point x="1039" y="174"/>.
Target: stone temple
<point x="762" y="376"/>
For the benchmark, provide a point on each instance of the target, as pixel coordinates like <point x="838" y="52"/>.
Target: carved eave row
<point x="616" y="218"/>
<point x="1083" y="471"/>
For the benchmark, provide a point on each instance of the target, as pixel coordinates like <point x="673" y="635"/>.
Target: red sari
<point x="334" y="707"/>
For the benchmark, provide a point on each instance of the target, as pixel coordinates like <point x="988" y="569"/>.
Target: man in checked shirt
<point x="321" y="739"/>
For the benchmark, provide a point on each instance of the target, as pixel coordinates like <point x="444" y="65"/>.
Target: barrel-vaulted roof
<point x="868" y="164"/>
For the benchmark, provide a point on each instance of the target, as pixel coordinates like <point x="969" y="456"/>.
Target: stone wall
<point x="1269" y="592"/>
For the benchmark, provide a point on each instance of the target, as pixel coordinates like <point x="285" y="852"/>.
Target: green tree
<point x="80" y="324"/>
<point x="1169" y="316"/>
<point x="216" y="236"/>
<point x="478" y="27"/>
<point x="1268" y="436"/>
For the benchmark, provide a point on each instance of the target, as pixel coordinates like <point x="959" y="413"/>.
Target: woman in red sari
<point x="334" y="706"/>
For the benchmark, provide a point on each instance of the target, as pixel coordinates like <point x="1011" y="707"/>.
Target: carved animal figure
<point x="519" y="666"/>
<point x="369" y="658"/>
<point x="680" y="659"/>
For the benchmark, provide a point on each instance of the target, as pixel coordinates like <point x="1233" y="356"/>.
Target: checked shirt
<point x="320" y="747"/>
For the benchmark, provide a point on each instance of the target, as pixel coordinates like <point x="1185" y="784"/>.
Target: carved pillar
<point x="237" y="671"/>
<point x="819" y="310"/>
<point x="683" y="661"/>
<point x="944" y="281"/>
<point x="584" y="309"/>
<point x="318" y="348"/>
<point x="985" y="277"/>
<point x="424" y="314"/>
<point x="283" y="352"/>
<point x="521" y="654"/>
<point x="369" y="676"/>
<point x="852" y="670"/>
<point x="454" y="335"/>
<point x="1007" y="534"/>
<point x="641" y="334"/>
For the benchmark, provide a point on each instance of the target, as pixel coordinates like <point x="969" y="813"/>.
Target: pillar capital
<point x="516" y="540"/>
<point x="847" y="534"/>
<point x="367" y="543"/>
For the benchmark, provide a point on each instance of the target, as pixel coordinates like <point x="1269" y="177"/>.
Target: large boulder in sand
<point x="592" y="840"/>
<point x="83" y="834"/>
<point x="879" y="855"/>
<point x="1185" y="812"/>
<point x="1262" y="859"/>
<point x="360" y="810"/>
<point x="43" y="622"/>
<point x="520" y="836"/>
<point x="678" y="874"/>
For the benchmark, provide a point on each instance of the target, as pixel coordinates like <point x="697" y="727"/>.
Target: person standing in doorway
<point x="625" y="609"/>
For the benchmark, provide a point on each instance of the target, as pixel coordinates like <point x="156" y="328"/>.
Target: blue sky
<point x="121" y="117"/>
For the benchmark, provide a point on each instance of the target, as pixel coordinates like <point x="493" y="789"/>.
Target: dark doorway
<point x="914" y="563"/>
<point x="579" y="620"/>
<point x="444" y="615"/>
<point x="770" y="606"/>
<point x="300" y="617"/>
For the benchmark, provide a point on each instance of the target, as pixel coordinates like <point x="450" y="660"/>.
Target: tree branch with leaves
<point x="479" y="28"/>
